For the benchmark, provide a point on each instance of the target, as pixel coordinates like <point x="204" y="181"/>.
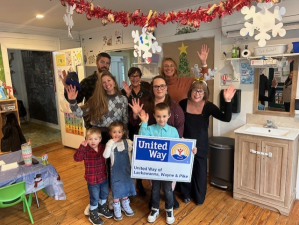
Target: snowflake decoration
<point x="263" y="22"/>
<point x="145" y="44"/>
<point x="68" y="18"/>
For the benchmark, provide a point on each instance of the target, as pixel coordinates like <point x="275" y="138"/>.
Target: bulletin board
<point x="172" y="50"/>
<point x="40" y="85"/>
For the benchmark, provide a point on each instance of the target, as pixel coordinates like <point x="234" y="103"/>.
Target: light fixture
<point x="39" y="16"/>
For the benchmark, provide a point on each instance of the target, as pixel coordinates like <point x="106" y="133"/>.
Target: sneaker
<point x="94" y="217"/>
<point x="153" y="215"/>
<point x="86" y="210"/>
<point x="125" y="206"/>
<point x="117" y="211"/>
<point x="169" y="216"/>
<point x="103" y="211"/>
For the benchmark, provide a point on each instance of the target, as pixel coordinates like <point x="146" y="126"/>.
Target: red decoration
<point x="189" y="16"/>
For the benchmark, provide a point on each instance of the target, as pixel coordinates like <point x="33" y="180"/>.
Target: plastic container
<point x="27" y="154"/>
<point x="296" y="47"/>
<point x="270" y="50"/>
<point x="8" y="107"/>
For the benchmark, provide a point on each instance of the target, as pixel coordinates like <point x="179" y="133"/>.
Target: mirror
<point x="275" y="107"/>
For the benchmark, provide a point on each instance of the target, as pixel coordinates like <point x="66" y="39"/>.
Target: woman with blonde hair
<point x="106" y="105"/>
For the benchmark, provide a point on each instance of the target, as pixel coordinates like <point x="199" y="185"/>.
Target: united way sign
<point x="157" y="158"/>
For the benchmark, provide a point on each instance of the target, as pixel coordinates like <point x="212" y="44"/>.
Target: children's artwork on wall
<point x="73" y="124"/>
<point x="68" y="58"/>
<point x="60" y="60"/>
<point x="118" y="37"/>
<point x="2" y="77"/>
<point x="107" y="40"/>
<point x="77" y="57"/>
<point x="226" y="79"/>
<point x="91" y="59"/>
<point x="247" y="73"/>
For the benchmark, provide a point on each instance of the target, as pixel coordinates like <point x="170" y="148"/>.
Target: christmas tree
<point x="184" y="70"/>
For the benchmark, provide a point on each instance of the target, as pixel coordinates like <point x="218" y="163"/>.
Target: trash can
<point x="221" y="162"/>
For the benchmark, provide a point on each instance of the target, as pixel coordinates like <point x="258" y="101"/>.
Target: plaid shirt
<point x="95" y="167"/>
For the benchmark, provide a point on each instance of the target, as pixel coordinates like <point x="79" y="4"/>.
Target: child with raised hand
<point x="160" y="129"/>
<point x="91" y="151"/>
<point x="119" y="149"/>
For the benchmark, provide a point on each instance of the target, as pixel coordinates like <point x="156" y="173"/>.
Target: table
<point x="37" y="176"/>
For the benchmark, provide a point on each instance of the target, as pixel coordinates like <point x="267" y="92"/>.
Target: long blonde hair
<point x="97" y="104"/>
<point x="176" y="70"/>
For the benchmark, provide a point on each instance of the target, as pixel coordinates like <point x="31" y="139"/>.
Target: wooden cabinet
<point x="265" y="171"/>
<point x="8" y="105"/>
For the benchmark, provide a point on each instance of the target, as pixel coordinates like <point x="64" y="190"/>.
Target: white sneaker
<point x="117" y="211"/>
<point x="169" y="216"/>
<point x="86" y="210"/>
<point x="125" y="206"/>
<point x="153" y="215"/>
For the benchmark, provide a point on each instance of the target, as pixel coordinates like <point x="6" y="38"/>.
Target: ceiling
<point x="23" y="12"/>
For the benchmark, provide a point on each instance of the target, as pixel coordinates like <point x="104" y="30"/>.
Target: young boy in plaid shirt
<point x="91" y="151"/>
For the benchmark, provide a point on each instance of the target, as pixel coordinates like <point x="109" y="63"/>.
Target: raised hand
<point x="127" y="89"/>
<point x="71" y="92"/>
<point x="194" y="150"/>
<point x="84" y="143"/>
<point x="203" y="55"/>
<point x="143" y="116"/>
<point x="229" y="93"/>
<point x="62" y="77"/>
<point x="136" y="108"/>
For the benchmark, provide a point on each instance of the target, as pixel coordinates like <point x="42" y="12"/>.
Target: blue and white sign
<point x="157" y="158"/>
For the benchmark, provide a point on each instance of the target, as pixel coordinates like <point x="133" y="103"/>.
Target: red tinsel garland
<point x="185" y="17"/>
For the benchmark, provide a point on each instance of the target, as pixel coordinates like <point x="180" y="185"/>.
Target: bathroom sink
<point x="267" y="131"/>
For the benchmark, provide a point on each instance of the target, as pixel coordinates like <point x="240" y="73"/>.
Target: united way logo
<point x="180" y="152"/>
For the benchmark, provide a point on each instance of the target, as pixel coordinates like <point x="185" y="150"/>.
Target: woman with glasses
<point x="286" y="93"/>
<point x="197" y="111"/>
<point x="159" y="94"/>
<point x="179" y="86"/>
<point x="135" y="91"/>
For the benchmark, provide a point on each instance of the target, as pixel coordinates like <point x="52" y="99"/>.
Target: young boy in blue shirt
<point x="160" y="129"/>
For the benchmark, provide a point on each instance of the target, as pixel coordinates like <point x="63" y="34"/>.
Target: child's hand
<point x="71" y="92"/>
<point x="194" y="150"/>
<point x="29" y="142"/>
<point x="143" y="116"/>
<point x="84" y="143"/>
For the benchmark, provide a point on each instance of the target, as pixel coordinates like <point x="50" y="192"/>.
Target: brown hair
<point x="150" y="104"/>
<point x="133" y="70"/>
<point x="94" y="130"/>
<point x="199" y="85"/>
<point x="162" y="106"/>
<point x="103" y="54"/>
<point x="176" y="70"/>
<point x="119" y="124"/>
<point x="97" y="104"/>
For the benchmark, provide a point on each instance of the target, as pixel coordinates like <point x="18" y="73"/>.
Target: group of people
<point x="173" y="107"/>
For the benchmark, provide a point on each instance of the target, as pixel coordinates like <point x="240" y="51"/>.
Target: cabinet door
<point x="274" y="170"/>
<point x="248" y="164"/>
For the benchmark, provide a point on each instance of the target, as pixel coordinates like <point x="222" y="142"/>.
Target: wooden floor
<point x="218" y="208"/>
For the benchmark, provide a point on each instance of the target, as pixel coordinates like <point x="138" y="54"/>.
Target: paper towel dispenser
<point x="236" y="101"/>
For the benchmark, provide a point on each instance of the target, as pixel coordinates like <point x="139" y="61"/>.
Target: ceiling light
<point x="39" y="16"/>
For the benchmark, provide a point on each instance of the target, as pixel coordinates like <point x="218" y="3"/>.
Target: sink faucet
<point x="270" y="125"/>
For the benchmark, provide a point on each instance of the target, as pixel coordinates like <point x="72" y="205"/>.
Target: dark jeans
<point x="97" y="192"/>
<point x="167" y="189"/>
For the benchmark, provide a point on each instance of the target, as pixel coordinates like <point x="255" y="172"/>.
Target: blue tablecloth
<point x="37" y="176"/>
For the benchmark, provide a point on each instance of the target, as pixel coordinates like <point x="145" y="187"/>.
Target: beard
<point x="102" y="69"/>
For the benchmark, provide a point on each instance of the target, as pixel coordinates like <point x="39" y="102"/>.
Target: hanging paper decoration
<point x="145" y="44"/>
<point x="68" y="18"/>
<point x="263" y="22"/>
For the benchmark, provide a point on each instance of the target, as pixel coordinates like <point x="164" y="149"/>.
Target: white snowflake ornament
<point x="263" y="22"/>
<point x="68" y="18"/>
<point x="145" y="44"/>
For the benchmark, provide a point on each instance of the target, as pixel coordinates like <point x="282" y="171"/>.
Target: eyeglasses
<point x="162" y="86"/>
<point x="198" y="91"/>
<point x="134" y="76"/>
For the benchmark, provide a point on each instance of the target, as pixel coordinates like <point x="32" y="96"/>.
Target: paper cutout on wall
<point x="60" y="60"/>
<point x="73" y="124"/>
<point x="68" y="58"/>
